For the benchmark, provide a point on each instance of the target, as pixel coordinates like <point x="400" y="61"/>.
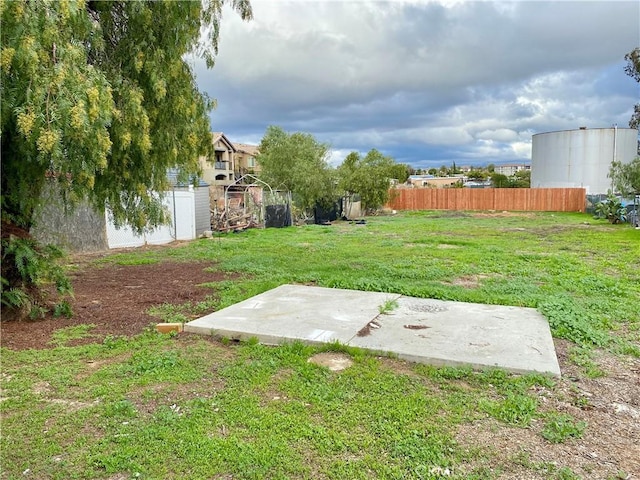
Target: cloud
<point x="424" y="81"/>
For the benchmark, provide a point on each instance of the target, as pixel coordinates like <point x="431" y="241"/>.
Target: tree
<point x="97" y="99"/>
<point x="432" y="171"/>
<point x="633" y="70"/>
<point x="499" y="180"/>
<point x="297" y="162"/>
<point x="368" y="177"/>
<point x="400" y="172"/>
<point x="477" y="175"/>
<point x="626" y="177"/>
<point x="521" y="179"/>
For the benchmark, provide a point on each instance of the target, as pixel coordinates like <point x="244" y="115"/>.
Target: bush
<point x="611" y="208"/>
<point x="26" y="268"/>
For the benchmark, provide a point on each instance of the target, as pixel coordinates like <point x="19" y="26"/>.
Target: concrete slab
<point x="420" y="330"/>
<point x="295" y="312"/>
<point x="465" y="334"/>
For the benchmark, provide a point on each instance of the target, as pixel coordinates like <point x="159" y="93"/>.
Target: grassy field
<point x="177" y="407"/>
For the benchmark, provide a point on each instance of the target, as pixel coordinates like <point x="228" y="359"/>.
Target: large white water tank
<point x="580" y="158"/>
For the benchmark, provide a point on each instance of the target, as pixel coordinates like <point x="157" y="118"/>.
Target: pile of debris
<point x="232" y="217"/>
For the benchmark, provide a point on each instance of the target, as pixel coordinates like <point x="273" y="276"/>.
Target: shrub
<point x="611" y="208"/>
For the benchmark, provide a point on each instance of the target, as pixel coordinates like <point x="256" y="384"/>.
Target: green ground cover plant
<point x="182" y="406"/>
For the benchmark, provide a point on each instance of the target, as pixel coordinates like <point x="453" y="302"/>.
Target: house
<point x="510" y="169"/>
<point x="220" y="172"/>
<point x="245" y="159"/>
<point x="429" y="181"/>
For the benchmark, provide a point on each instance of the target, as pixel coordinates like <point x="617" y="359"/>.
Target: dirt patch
<point x="332" y="360"/>
<point x="115" y="299"/>
<point x="447" y="246"/>
<point x="493" y="213"/>
<point x="467" y="281"/>
<point x="608" y="447"/>
<point x="450" y="214"/>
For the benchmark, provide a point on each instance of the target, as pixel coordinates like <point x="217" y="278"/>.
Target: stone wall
<point x="77" y="230"/>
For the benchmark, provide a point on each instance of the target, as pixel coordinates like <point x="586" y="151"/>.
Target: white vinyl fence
<point x="182" y="209"/>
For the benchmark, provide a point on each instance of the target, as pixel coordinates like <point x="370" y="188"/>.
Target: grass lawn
<point x="187" y="407"/>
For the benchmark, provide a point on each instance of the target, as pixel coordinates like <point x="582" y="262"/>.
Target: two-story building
<point x="231" y="162"/>
<point x="220" y="172"/>
<point x="245" y="159"/>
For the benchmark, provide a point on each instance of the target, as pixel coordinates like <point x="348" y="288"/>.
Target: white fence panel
<point x="121" y="237"/>
<point x="182" y="227"/>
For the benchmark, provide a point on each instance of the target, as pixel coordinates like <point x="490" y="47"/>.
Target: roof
<point x="245" y="148"/>
<point x="172" y="176"/>
<point x="221" y="136"/>
<point x="420" y="177"/>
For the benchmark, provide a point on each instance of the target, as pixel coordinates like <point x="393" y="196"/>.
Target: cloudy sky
<point x="426" y="82"/>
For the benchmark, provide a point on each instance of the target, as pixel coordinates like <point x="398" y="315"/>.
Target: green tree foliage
<point x="633" y="70"/>
<point x="97" y="98"/>
<point x="477" y="175"/>
<point x="626" y="177"/>
<point x="521" y="179"/>
<point x="401" y="172"/>
<point x="368" y="177"/>
<point x="299" y="163"/>
<point x="499" y="180"/>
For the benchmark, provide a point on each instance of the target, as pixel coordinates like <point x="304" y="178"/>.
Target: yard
<point x="102" y="395"/>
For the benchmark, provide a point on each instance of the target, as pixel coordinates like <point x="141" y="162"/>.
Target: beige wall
<point x="219" y="171"/>
<point x="245" y="159"/>
<point x="435" y="182"/>
<point x="246" y="163"/>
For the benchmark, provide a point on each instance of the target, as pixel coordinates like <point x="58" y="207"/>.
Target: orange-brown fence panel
<point x="513" y="199"/>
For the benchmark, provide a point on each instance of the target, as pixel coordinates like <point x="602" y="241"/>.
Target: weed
<point x="120" y="409"/>
<point x="63" y="309"/>
<point x="387" y="307"/>
<point x="113" y="341"/>
<point x="63" y="336"/>
<point x="583" y="357"/>
<point x="549" y="470"/>
<point x="565" y="473"/>
<point x="515" y="409"/>
<point x="146" y="362"/>
<point x="560" y="427"/>
<point x="568" y="320"/>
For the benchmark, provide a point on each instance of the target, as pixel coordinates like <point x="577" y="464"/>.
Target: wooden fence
<point x="513" y="199"/>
